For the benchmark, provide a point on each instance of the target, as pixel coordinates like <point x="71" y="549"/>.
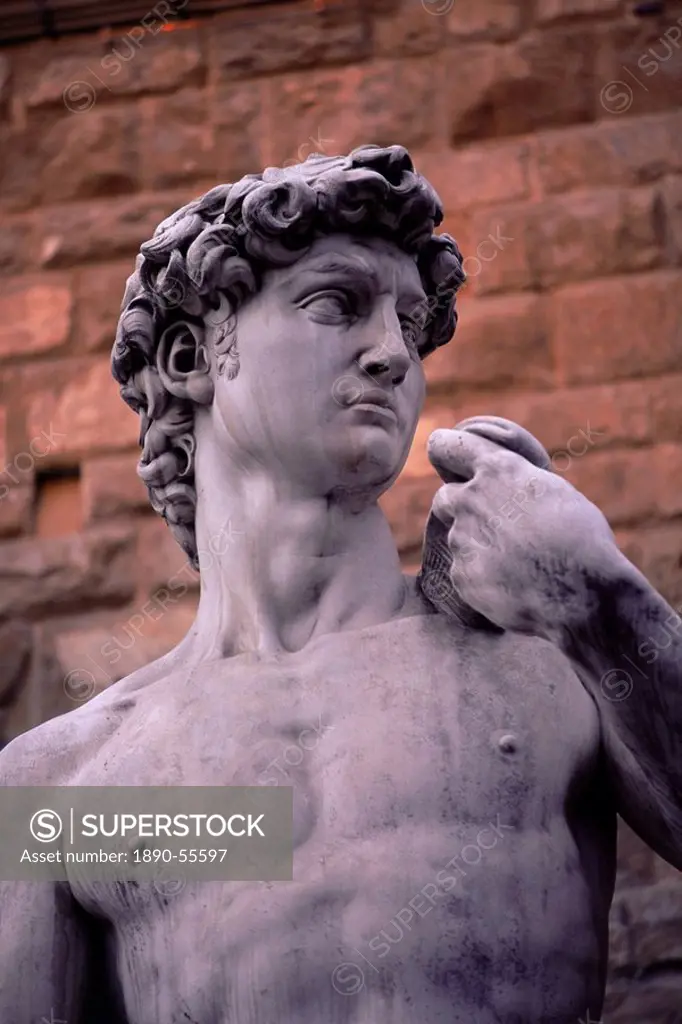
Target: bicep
<point x="43" y="939"/>
<point x="639" y="698"/>
<point x="643" y="757"/>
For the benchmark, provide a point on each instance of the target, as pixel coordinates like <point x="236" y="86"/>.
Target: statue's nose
<point x="385" y="358"/>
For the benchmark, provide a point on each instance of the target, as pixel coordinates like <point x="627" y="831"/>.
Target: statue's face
<point x="330" y="384"/>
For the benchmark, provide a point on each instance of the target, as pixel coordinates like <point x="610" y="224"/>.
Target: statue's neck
<point x="280" y="568"/>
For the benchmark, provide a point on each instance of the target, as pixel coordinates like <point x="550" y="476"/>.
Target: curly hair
<point x="207" y="257"/>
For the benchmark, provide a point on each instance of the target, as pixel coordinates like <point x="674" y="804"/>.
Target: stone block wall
<point x="553" y="132"/>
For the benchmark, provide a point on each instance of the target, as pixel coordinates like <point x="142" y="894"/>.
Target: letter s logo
<point x="46" y="826"/>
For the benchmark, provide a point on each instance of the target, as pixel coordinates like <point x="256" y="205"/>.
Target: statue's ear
<point x="183" y="365"/>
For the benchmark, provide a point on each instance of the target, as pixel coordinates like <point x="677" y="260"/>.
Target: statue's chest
<point x="405" y="748"/>
<point x="418" y="717"/>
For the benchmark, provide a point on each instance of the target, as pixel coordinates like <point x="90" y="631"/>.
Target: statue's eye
<point x="411" y="332"/>
<point x="330" y="304"/>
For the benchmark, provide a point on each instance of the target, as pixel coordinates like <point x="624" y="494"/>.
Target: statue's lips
<point x="377" y="402"/>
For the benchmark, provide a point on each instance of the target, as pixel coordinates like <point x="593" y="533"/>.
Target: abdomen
<point x="411" y="926"/>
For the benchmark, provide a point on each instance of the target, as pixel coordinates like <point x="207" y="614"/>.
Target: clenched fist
<point x="506" y="537"/>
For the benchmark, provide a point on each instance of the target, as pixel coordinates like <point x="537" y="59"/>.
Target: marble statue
<point x="459" y="744"/>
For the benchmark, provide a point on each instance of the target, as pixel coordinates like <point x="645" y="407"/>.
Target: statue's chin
<point x="364" y="462"/>
<point x="366" y="486"/>
<point x="356" y="498"/>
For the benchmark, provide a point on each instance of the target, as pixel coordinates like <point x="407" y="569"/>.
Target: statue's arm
<point x="521" y="547"/>
<point x="43" y="945"/>
<point x="628" y="653"/>
<point x="42" y="953"/>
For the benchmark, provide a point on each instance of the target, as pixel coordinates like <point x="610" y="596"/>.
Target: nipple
<point x="508" y="743"/>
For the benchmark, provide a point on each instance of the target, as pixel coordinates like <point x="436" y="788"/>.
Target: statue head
<point x="278" y="305"/>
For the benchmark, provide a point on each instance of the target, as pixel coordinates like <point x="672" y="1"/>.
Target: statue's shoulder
<point x="53" y="753"/>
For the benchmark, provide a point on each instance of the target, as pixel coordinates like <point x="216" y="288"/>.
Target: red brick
<point x="5" y="85"/>
<point x="16" y="507"/>
<point x="51" y="159"/>
<point x="438" y="413"/>
<point x="164" y="61"/>
<point x="646" y="947"/>
<point x="410" y="31"/>
<point x="626" y="327"/>
<point x="20" y="167"/>
<point x="671" y="193"/>
<point x="160" y="559"/>
<point x="638" y="70"/>
<point x="95" y="655"/>
<point x="59" y="507"/>
<point x="530" y="410"/>
<point x="664" y="872"/>
<point x="657" y="552"/>
<point x="16" y="648"/>
<point x="17" y="244"/>
<point x="71" y="83"/>
<point x="35" y="315"/>
<point x="410" y="561"/>
<point x="3" y="435"/>
<point x="44" y="70"/>
<point x="555" y="10"/>
<point x="87" y="412"/>
<point x="499" y="253"/>
<point x="245" y="44"/>
<point x="237" y="113"/>
<point x="661" y="905"/>
<point x="406" y="506"/>
<point x="477" y="175"/>
<point x="83" y="74"/>
<point x="650" y="998"/>
<point x="176" y="139"/>
<point x="21" y="454"/>
<point x="498" y="341"/>
<point x="607" y="415"/>
<point x="668" y="466"/>
<point x="665" y="406"/>
<point x="486" y="19"/>
<point x="635" y="864"/>
<point x="15" y="658"/>
<point x="78" y="233"/>
<point x="112" y="487"/>
<point x="630" y="486"/>
<point x="385" y="102"/>
<point x="88" y="155"/>
<point x="51" y="576"/>
<point x="596" y="233"/>
<point x="518" y="87"/>
<point x="98" y="292"/>
<point x="71" y="156"/>
<point x="38" y="698"/>
<point x="628" y="151"/>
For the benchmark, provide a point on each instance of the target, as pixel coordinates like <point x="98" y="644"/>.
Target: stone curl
<point x="207" y="257"/>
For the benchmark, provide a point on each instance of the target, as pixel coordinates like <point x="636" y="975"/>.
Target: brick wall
<point x="552" y="130"/>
